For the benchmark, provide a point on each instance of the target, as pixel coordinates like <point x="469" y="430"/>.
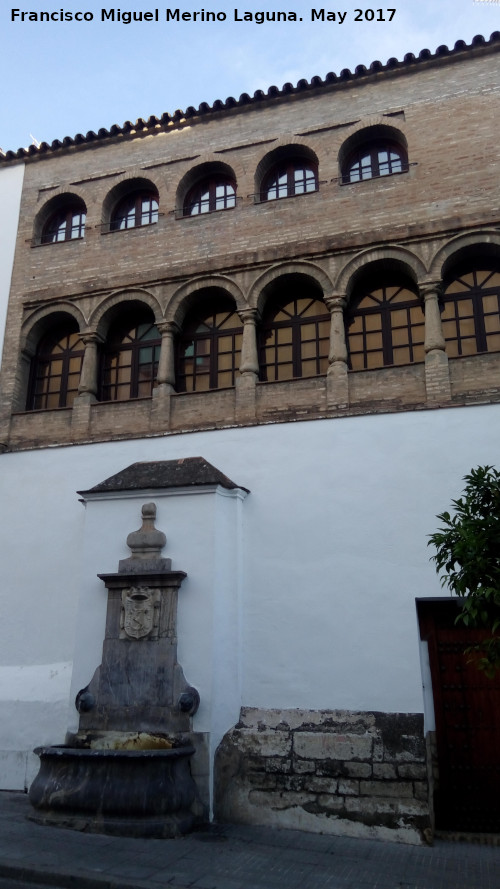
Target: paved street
<point x="229" y="857"/>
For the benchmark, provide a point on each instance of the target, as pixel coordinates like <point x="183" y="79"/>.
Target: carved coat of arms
<point x="139" y="613"/>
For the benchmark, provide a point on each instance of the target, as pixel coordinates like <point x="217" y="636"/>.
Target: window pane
<point x="374" y="360"/>
<point x="493" y="341"/>
<point x="492" y="323"/>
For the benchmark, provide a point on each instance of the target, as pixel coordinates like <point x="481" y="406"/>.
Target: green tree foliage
<point x="468" y="555"/>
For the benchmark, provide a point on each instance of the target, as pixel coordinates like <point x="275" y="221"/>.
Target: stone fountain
<point x="126" y="771"/>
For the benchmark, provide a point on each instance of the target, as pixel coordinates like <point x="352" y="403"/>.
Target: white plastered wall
<point x="333" y="554"/>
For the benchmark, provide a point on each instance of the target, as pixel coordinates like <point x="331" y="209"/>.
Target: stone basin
<point x="120" y="792"/>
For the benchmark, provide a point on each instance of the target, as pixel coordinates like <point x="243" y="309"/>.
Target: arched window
<point x="385" y="325"/>
<point x="65" y="224"/>
<point x="208" y="350"/>
<point x="134" y="210"/>
<point x="130" y="359"/>
<point x="373" y="159"/>
<point x="295" y="332"/>
<point x="215" y="192"/>
<point x="292" y="176"/>
<point x="471" y="313"/>
<point x="56" y="368"/>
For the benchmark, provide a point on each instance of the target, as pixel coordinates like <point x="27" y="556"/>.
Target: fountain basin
<point x="121" y="792"/>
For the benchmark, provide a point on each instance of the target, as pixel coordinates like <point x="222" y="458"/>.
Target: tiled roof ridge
<point x="142" y="126"/>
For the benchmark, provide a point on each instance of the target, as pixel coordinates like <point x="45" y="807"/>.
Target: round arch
<point x="68" y="210"/>
<point x="376" y="133"/>
<point x="286" y="151"/>
<point x="185" y="297"/>
<point x="485" y="243"/>
<point x="391" y="258"/>
<point x="39" y="323"/>
<point x="207" y="172"/>
<point x="130" y="187"/>
<point x="110" y="308"/>
<point x="256" y="296"/>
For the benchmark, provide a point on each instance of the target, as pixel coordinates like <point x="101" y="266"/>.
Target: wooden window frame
<point x="372" y="150"/>
<point x="42" y="369"/>
<point x="190" y="336"/>
<point x="133" y="216"/>
<point x="196" y="204"/>
<point x="63" y="220"/>
<point x="110" y="385"/>
<point x="385" y="311"/>
<point x="475" y="294"/>
<point x="269" y="329"/>
<point x="289" y="168"/>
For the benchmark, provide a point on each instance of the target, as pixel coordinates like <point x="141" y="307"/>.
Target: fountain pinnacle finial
<point x="146" y="545"/>
<point x="147" y="542"/>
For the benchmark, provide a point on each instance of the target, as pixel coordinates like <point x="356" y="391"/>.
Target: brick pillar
<point x="246" y="382"/>
<point x="337" y="386"/>
<point x="161" y="405"/>
<point x="437" y="375"/>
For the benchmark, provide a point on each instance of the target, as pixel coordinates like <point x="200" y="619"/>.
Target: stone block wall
<point x="327" y="771"/>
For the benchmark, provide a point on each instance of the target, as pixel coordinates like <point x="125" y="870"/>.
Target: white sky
<point x="59" y="79"/>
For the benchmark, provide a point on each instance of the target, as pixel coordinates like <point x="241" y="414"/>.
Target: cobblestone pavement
<point x="230" y="857"/>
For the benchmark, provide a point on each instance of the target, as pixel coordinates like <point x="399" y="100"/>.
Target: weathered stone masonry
<point x="338" y="771"/>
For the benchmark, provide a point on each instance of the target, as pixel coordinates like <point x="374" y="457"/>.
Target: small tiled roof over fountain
<point x="182" y="473"/>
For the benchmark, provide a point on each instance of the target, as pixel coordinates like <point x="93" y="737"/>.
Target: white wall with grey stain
<point x="320" y="599"/>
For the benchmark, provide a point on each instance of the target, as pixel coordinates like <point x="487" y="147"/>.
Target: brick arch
<point x="398" y="257"/>
<point x="373" y="127"/>
<point x="61" y="199"/>
<point x="108" y="309"/>
<point x="486" y="241"/>
<point x="40" y="322"/>
<point x="126" y="184"/>
<point x="308" y="269"/>
<point x="186" y="295"/>
<point x="205" y="166"/>
<point x="286" y="146"/>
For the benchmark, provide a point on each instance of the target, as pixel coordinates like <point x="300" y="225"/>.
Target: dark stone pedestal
<point x="120" y="792"/>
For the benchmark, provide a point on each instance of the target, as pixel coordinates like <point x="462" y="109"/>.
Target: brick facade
<point x="420" y="223"/>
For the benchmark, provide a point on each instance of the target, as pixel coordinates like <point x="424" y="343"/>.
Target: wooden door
<point x="467" y="710"/>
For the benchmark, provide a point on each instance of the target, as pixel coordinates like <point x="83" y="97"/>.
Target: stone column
<point x="337" y="387"/>
<point x="437" y="375"/>
<point x="246" y="382"/>
<point x="88" y="385"/>
<point x="87" y="389"/>
<point x="166" y="364"/>
<point x="165" y="378"/>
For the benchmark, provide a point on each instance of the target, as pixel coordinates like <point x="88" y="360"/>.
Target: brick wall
<point x="452" y="189"/>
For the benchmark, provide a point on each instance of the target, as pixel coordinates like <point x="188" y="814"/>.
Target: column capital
<point x="248" y="314"/>
<point x="168" y="327"/>
<point x="90" y="336"/>
<point x="335" y="302"/>
<point x="429" y="289"/>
